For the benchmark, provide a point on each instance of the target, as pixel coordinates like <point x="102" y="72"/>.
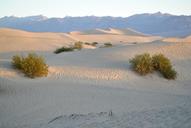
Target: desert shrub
<point x="163" y="65"/>
<point x="160" y="62"/>
<point x="87" y="43"/>
<point x="169" y="73"/>
<point x="108" y="44"/>
<point x="32" y="65"/>
<point x="17" y="61"/>
<point x="142" y="64"/>
<point x="63" y="49"/>
<point x="78" y="45"/>
<point x="94" y="43"/>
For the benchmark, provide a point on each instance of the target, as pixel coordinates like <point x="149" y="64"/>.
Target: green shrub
<point x="87" y="43"/>
<point x="78" y="45"/>
<point x="94" y="43"/>
<point x="163" y="65"/>
<point x="108" y="44"/>
<point x="17" y="61"/>
<point x="32" y="65"/>
<point x="63" y="49"/>
<point x="160" y="62"/>
<point x="169" y="73"/>
<point x="142" y="64"/>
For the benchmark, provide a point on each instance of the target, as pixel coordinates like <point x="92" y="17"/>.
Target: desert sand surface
<point x="173" y="39"/>
<point x="93" y="88"/>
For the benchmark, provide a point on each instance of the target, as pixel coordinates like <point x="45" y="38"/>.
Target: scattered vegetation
<point x="108" y="44"/>
<point x="144" y="64"/>
<point x="32" y="65"/>
<point x="63" y="49"/>
<point x="86" y="43"/>
<point x="78" y="45"/>
<point x="94" y="43"/>
<point x="17" y="61"/>
<point x="163" y="65"/>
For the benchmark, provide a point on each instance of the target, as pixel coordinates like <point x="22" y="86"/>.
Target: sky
<point x="62" y="8"/>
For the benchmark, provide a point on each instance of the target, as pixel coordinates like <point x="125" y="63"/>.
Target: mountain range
<point x="160" y="24"/>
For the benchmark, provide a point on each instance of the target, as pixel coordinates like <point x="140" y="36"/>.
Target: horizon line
<point x="159" y="12"/>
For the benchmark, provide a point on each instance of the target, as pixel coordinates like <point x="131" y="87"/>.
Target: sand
<point x="94" y="88"/>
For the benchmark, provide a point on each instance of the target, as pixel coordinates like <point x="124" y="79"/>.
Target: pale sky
<point x="62" y="8"/>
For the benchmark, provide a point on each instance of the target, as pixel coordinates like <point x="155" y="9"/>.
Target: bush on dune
<point x="163" y="65"/>
<point x="144" y="64"/>
<point x="78" y="45"/>
<point x="94" y="43"/>
<point x="63" y="49"/>
<point x="108" y="44"/>
<point x="17" y="61"/>
<point x="32" y="65"/>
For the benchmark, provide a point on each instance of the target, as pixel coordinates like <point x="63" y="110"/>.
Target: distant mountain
<point x="155" y="24"/>
<point x="161" y="24"/>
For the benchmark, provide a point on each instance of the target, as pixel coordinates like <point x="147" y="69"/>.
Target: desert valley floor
<point x="94" y="87"/>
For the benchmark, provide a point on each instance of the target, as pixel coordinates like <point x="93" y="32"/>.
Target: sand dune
<point x="183" y="40"/>
<point x="110" y="31"/>
<point x="84" y="87"/>
<point x="127" y="31"/>
<point x="114" y="38"/>
<point x="16" y="40"/>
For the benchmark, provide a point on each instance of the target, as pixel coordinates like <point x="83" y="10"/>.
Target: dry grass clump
<point x="144" y="64"/>
<point x="63" y="49"/>
<point x="32" y="65"/>
<point x="92" y="44"/>
<point x="108" y="44"/>
<point x="78" y="45"/>
<point x="163" y="65"/>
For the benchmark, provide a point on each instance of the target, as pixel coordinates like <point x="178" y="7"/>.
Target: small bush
<point x="32" y="65"/>
<point x="87" y="43"/>
<point x="160" y="62"/>
<point x="94" y="43"/>
<point x="17" y="61"/>
<point x="169" y="73"/>
<point x="78" y="45"/>
<point x="142" y="64"/>
<point x="63" y="49"/>
<point x="163" y="65"/>
<point x="108" y="44"/>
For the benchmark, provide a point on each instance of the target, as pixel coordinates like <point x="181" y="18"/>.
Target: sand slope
<point x="185" y="39"/>
<point x="17" y="40"/>
<point x="84" y="87"/>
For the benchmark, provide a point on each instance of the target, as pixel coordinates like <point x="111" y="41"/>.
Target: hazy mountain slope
<point x="155" y="24"/>
<point x="161" y="24"/>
